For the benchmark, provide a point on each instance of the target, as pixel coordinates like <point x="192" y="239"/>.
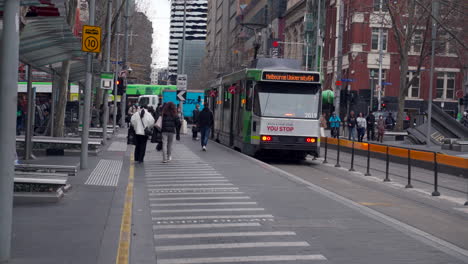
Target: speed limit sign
<point x="91" y="39"/>
<point x="459" y="94"/>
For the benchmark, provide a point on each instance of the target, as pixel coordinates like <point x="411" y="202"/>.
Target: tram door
<point x="231" y="120"/>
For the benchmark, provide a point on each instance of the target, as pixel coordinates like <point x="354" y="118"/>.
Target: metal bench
<point x="69" y="170"/>
<point x="39" y="186"/>
<point x="60" y="143"/>
<point x="398" y="135"/>
<point x="461" y="146"/>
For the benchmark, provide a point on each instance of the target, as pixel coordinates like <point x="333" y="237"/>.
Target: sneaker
<point x="164" y="161"/>
<point x="204" y="148"/>
<point x="170" y="158"/>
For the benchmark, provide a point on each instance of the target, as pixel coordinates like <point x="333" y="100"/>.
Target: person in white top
<point x="141" y="120"/>
<point x="361" y="126"/>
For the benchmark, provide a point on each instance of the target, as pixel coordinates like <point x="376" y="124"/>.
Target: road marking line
<point x="201" y="198"/>
<point x="182" y="226"/>
<point x="210" y="217"/>
<point x="206" y="210"/>
<point x="374" y="204"/>
<point x="123" y="252"/>
<point x="232" y="245"/>
<point x="192" y="193"/>
<point x="190" y="184"/>
<point x="240" y="259"/>
<point x="185" y="177"/>
<point x="194" y="189"/>
<point x="184" y="181"/>
<point x="234" y="234"/>
<point x="197" y="204"/>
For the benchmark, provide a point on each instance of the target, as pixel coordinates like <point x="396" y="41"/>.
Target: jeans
<point x="205" y="134"/>
<point x="140" y="147"/>
<point x="167" y="140"/>
<point x="352" y="133"/>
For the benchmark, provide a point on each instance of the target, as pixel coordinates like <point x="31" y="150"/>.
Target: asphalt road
<point x="222" y="207"/>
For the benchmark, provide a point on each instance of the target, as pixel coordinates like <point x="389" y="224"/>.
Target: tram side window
<point x="256" y="103"/>
<point x="248" y="96"/>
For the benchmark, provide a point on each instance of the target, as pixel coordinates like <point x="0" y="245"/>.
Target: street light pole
<point x="435" y="11"/>
<point x="117" y="47"/>
<point x="87" y="99"/>
<point x="107" y="56"/>
<point x="9" y="57"/>
<point x="339" y="66"/>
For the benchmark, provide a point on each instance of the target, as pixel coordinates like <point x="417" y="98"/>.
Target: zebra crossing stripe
<point x="198" y="204"/>
<point x="206" y="210"/>
<point x="189" y="226"/>
<point x="201" y="198"/>
<point x="232" y="234"/>
<point x="232" y="245"/>
<point x="191" y="193"/>
<point x="270" y="258"/>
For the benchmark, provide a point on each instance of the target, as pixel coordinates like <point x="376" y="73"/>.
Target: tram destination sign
<point x="303" y="77"/>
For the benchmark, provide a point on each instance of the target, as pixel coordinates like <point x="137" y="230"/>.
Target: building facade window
<point x="447" y="46"/>
<point x="380" y="6"/>
<point x="374" y="81"/>
<point x="413" y="90"/>
<point x="375" y="39"/>
<point x="416" y="42"/>
<point x="445" y="89"/>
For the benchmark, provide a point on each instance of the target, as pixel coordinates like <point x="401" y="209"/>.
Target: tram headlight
<point x="311" y="140"/>
<point x="266" y="138"/>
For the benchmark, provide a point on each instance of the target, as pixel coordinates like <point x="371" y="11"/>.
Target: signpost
<point x="107" y="80"/>
<point x="181" y="95"/>
<point x="91" y="39"/>
<point x="182" y="82"/>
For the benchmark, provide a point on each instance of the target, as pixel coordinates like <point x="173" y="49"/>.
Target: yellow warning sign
<point x="91" y="39"/>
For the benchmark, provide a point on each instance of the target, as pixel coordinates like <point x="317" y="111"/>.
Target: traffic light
<point x="461" y="101"/>
<point x="383" y="106"/>
<point x="121" y="88"/>
<point x="275" y="44"/>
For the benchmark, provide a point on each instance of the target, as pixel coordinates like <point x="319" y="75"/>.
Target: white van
<point x="148" y="100"/>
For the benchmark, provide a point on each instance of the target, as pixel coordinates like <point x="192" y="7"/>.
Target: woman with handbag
<point x="168" y="122"/>
<point x="143" y="122"/>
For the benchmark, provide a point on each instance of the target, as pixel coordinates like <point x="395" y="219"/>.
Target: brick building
<point x="362" y="20"/>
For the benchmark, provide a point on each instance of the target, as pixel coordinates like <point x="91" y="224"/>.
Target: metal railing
<point x="391" y="151"/>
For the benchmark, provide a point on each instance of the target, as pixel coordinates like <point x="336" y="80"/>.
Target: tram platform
<point x="221" y="206"/>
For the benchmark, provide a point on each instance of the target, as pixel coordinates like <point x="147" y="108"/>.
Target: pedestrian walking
<point x="370" y="126"/>
<point x="464" y="120"/>
<point x="380" y="128"/>
<point x="361" y="127"/>
<point x="196" y="113"/>
<point x="389" y="122"/>
<point x="205" y="122"/>
<point x="335" y="125"/>
<point x="141" y="121"/>
<point x="352" y="122"/>
<point x="169" y="122"/>
<point x="323" y="124"/>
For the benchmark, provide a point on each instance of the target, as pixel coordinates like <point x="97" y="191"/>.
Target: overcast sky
<point x="159" y="13"/>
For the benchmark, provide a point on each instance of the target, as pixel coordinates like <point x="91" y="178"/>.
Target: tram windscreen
<point x="288" y="100"/>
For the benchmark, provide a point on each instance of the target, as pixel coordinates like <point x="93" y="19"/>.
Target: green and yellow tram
<point x="270" y="110"/>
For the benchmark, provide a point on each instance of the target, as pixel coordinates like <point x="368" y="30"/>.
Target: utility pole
<point x="435" y="13"/>
<point x="117" y="47"/>
<point x="308" y="31"/>
<point x="87" y="92"/>
<point x="182" y="67"/>
<point x="9" y="57"/>
<point x="319" y="38"/>
<point x="123" y="101"/>
<point x="381" y="41"/>
<point x="107" y="56"/>
<point x="339" y="66"/>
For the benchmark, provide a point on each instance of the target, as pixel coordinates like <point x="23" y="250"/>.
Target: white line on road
<point x="206" y="210"/>
<point x="197" y="204"/>
<point x="180" y="175"/>
<point x="234" y="234"/>
<point x="194" y="189"/>
<point x="184" y="181"/>
<point x="201" y="198"/>
<point x="190" y="184"/>
<point x="210" y="217"/>
<point x="182" y="226"/>
<point x="233" y="245"/>
<point x="240" y="259"/>
<point x="192" y="193"/>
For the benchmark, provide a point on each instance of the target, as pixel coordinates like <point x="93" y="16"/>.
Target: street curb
<point x="413" y="232"/>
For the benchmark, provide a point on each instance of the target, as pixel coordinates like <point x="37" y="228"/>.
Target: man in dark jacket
<point x="196" y="113"/>
<point x="389" y="122"/>
<point x="205" y="122"/>
<point x="370" y="126"/>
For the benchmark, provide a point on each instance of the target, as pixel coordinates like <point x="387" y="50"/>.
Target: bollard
<point x="326" y="150"/>
<point x="352" y="159"/>
<point x="338" y="154"/>
<point x="436" y="177"/>
<point x="387" y="179"/>
<point x="409" y="170"/>
<point x="368" y="160"/>
<point x="466" y="203"/>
